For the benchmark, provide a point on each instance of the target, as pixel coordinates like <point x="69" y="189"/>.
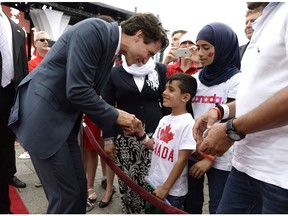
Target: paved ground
<point x="36" y="202"/>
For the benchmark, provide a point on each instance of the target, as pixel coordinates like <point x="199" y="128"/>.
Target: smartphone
<point x="183" y="52"/>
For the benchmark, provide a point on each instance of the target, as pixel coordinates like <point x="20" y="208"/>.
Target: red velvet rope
<point x="143" y="193"/>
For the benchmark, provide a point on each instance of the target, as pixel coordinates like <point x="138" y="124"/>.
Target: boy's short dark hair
<point x="188" y="84"/>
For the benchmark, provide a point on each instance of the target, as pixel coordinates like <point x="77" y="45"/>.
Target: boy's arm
<point x="200" y="168"/>
<point x="144" y="138"/>
<point x="162" y="190"/>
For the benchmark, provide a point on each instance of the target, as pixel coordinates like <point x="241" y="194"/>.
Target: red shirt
<point x="175" y="68"/>
<point x="34" y="62"/>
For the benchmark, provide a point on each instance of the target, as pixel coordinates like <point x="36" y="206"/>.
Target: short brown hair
<point x="256" y="10"/>
<point x="179" y="31"/>
<point x="150" y="25"/>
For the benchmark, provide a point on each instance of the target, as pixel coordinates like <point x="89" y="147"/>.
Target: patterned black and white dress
<point x="134" y="160"/>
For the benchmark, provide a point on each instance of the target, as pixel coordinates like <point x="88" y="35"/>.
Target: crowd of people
<point x="215" y="110"/>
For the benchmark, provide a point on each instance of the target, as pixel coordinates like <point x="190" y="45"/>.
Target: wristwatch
<point x="232" y="132"/>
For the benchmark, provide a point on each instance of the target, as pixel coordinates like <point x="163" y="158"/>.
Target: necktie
<point x="5" y="54"/>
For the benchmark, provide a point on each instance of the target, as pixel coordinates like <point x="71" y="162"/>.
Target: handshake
<point x="129" y="123"/>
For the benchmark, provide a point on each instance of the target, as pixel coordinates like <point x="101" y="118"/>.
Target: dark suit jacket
<point x="65" y="85"/>
<point x="7" y="96"/>
<point x="122" y="91"/>
<point x="19" y="58"/>
<point x="20" y="67"/>
<point x="19" y="53"/>
<point x="243" y="49"/>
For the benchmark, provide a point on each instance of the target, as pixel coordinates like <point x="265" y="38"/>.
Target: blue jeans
<point x="175" y="201"/>
<point x="193" y="203"/>
<point x="246" y="195"/>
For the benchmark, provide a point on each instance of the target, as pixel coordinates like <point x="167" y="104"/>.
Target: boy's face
<point x="172" y="96"/>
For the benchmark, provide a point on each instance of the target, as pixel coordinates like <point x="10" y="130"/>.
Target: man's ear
<point x="139" y="35"/>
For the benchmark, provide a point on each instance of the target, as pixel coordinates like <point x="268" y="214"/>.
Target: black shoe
<point x="105" y="204"/>
<point x="104" y="184"/>
<point x="17" y="182"/>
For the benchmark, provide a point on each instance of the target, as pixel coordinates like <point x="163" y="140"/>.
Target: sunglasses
<point x="43" y="40"/>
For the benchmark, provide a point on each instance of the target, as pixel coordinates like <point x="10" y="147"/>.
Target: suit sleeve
<point x="86" y="49"/>
<point x="109" y="95"/>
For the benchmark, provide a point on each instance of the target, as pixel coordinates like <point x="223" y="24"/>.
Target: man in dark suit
<point x="18" y="70"/>
<point x="51" y="100"/>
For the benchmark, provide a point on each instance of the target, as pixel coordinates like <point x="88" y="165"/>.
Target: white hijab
<point x="143" y="70"/>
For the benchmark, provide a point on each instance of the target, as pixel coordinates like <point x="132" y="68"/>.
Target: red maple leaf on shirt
<point x="166" y="135"/>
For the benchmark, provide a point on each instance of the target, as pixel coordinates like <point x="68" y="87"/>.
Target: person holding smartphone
<point x="170" y="58"/>
<point x="187" y="57"/>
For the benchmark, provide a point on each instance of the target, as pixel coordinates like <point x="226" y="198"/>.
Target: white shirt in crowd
<point x="174" y="133"/>
<point x="206" y="98"/>
<point x="263" y="155"/>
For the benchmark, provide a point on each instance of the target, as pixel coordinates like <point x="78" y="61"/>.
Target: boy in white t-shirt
<point x="173" y="141"/>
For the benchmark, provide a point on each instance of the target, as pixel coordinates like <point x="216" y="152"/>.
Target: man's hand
<point x="203" y="123"/>
<point x="128" y="122"/>
<point x="216" y="142"/>
<point x="194" y="54"/>
<point x="170" y="57"/>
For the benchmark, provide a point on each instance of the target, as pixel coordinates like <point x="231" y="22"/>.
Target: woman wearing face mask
<point x="218" y="51"/>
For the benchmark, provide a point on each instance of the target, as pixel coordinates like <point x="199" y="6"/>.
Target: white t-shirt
<point x="174" y="133"/>
<point x="264" y="155"/>
<point x="206" y="98"/>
